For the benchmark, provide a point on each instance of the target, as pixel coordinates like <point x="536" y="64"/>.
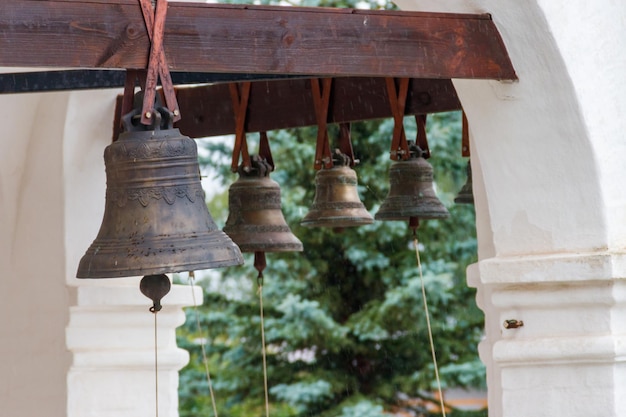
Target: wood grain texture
<point x="208" y="111"/>
<point x="254" y="39"/>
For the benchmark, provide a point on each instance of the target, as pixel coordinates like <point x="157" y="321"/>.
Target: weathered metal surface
<point x="155" y="287"/>
<point x="155" y="217"/>
<point x="337" y="204"/>
<point x="254" y="39"/>
<point x="411" y="193"/>
<point x="255" y="219"/>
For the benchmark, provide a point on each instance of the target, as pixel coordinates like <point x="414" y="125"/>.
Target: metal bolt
<point x="513" y="324"/>
<point x="148" y="115"/>
<point x="176" y="112"/>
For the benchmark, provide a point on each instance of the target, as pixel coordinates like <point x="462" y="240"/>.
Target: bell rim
<point x="406" y="216"/>
<point x="126" y="272"/>
<point x="150" y="260"/>
<point x="264" y="247"/>
<point x="336" y="222"/>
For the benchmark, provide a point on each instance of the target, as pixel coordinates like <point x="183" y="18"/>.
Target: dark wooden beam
<point x="254" y="39"/>
<point x="208" y="111"/>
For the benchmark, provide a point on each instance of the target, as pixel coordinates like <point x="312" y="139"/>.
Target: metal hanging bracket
<point x="157" y="65"/>
<point x="345" y="143"/>
<point x="397" y="101"/>
<point x="321" y="99"/>
<point x="465" y="145"/>
<point x="264" y="150"/>
<point x="421" y="140"/>
<point x="132" y="77"/>
<point x="240" y="94"/>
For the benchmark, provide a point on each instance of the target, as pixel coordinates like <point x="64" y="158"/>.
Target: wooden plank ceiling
<point x="285" y="104"/>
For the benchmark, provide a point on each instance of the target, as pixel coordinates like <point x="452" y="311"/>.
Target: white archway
<point x="548" y="184"/>
<point x="548" y="175"/>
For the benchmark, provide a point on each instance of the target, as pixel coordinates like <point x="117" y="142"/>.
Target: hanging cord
<point x="155" y="287"/>
<point x="259" y="263"/>
<point x="430" y="331"/>
<point x="156" y="365"/>
<point x="205" y="361"/>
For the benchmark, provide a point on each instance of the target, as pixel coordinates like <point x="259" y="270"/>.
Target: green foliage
<point x="345" y="326"/>
<point x="344" y="320"/>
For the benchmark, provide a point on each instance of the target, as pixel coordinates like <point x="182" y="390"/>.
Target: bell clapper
<point x="155" y="287"/>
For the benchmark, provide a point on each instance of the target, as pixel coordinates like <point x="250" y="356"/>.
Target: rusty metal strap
<point x="240" y="108"/>
<point x="321" y="99"/>
<point x="157" y="65"/>
<point x="465" y="144"/>
<point x="132" y="76"/>
<point x="345" y="142"/>
<point x="421" y="140"/>
<point x="264" y="149"/>
<point x="397" y="101"/>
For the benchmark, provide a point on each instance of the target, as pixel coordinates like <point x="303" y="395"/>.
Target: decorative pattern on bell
<point x="337" y="203"/>
<point x="466" y="195"/>
<point x="155" y="218"/>
<point x="255" y="219"/>
<point x="411" y="192"/>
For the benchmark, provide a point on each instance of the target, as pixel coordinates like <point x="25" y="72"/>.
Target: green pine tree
<point x="344" y="320"/>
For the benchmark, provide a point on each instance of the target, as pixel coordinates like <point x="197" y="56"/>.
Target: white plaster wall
<point x="88" y="130"/>
<point x="590" y="38"/>
<point x="33" y="357"/>
<point x="534" y="138"/>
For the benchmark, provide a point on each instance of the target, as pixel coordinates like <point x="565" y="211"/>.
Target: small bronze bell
<point x="155" y="217"/>
<point x="336" y="203"/>
<point x="411" y="192"/>
<point x="255" y="219"/>
<point x="466" y="195"/>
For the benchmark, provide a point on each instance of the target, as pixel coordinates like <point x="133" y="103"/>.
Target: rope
<point x="205" y="361"/>
<point x="263" y="350"/>
<point x="156" y="366"/>
<point x="430" y="331"/>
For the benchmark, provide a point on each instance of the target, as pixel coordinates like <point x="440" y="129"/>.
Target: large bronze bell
<point x="337" y="203"/>
<point x="411" y="192"/>
<point x="155" y="218"/>
<point x="255" y="219"/>
<point x="466" y="194"/>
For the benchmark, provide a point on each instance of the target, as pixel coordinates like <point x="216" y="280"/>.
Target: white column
<point x="112" y="337"/>
<point x="568" y="358"/>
